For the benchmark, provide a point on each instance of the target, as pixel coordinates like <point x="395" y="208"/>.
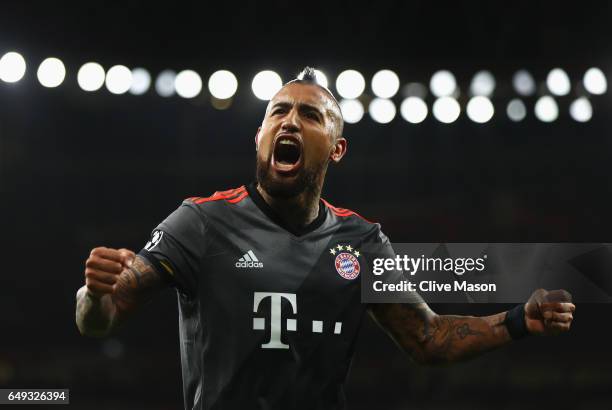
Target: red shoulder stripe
<point x="343" y="211"/>
<point x="238" y="198"/>
<point x="219" y="195"/>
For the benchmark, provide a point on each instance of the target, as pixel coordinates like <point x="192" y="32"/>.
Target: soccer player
<point x="267" y="277"/>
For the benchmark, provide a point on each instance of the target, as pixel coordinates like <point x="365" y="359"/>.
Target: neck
<point x="299" y="211"/>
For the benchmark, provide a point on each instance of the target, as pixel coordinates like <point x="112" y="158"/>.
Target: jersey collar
<point x="270" y="213"/>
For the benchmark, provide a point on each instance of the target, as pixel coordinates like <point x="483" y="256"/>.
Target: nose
<point x="291" y="122"/>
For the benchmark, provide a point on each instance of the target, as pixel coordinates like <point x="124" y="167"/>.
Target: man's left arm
<point x="438" y="339"/>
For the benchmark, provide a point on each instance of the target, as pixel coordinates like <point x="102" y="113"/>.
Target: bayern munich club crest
<point x="346" y="262"/>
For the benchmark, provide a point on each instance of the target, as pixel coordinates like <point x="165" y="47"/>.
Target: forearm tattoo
<point x="431" y="338"/>
<point x="136" y="285"/>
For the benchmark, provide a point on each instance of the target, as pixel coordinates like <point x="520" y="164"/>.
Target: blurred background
<point x="466" y="121"/>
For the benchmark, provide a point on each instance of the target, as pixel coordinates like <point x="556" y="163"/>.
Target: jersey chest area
<point x="254" y="259"/>
<point x="270" y="282"/>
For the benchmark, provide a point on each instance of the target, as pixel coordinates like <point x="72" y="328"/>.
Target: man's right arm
<point x="116" y="283"/>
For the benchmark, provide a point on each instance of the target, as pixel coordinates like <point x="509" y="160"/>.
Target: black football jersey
<point x="268" y="315"/>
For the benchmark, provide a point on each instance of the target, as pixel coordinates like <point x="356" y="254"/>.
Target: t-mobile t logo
<point x="276" y="321"/>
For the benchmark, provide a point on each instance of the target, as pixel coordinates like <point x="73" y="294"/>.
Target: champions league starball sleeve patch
<point x="156" y="238"/>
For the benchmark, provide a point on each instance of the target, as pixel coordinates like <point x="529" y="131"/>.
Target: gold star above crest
<point x="357" y="253"/>
<point x="349" y="248"/>
<point x="340" y="247"/>
<point x="332" y="251"/>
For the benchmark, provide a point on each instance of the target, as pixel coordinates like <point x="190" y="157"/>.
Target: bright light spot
<point x="164" y="84"/>
<point x="51" y="72"/>
<point x="90" y="76"/>
<point x="546" y="109"/>
<point x="352" y="111"/>
<point x="523" y="82"/>
<point x="382" y="110"/>
<point x="581" y="110"/>
<point x="443" y="83"/>
<point x="266" y="84"/>
<point x="141" y="81"/>
<point x="321" y="78"/>
<point x="350" y="84"/>
<point x="385" y="84"/>
<point x="446" y="109"/>
<point x="413" y="110"/>
<point x="222" y="84"/>
<point x="558" y="82"/>
<point x="483" y="83"/>
<point x="480" y="109"/>
<point x="516" y="110"/>
<point x="118" y="79"/>
<point x="188" y="84"/>
<point x="12" y="67"/>
<point x="595" y="81"/>
<point x="414" y="90"/>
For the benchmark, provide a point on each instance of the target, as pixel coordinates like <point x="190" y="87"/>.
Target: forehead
<point x="303" y="94"/>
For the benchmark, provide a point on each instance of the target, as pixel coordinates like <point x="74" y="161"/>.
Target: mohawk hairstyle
<point x="309" y="76"/>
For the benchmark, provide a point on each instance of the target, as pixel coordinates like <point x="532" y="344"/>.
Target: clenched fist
<point x="549" y="313"/>
<point x="103" y="267"/>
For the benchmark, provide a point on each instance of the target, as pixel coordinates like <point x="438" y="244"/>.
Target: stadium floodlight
<point x="483" y="83"/>
<point x="141" y="81"/>
<point x="385" y="84"/>
<point x="382" y="110"/>
<point x="12" y="67"/>
<point x="558" y="82"/>
<point x="443" y="83"/>
<point x="546" y="109"/>
<point x="352" y="111"/>
<point x="90" y="76"/>
<point x="581" y="110"/>
<point x="350" y="84"/>
<point x="446" y="110"/>
<point x="265" y="84"/>
<point x="516" y="110"/>
<point x="414" y="110"/>
<point x="164" y="84"/>
<point x="480" y="109"/>
<point x="595" y="81"/>
<point x="222" y="84"/>
<point x="523" y="83"/>
<point x="188" y="84"/>
<point x="118" y="79"/>
<point x="51" y="72"/>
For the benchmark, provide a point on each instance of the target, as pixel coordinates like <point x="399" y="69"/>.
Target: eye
<point x="278" y="111"/>
<point x="312" y="115"/>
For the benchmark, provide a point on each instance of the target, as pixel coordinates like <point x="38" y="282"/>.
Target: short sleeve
<point x="176" y="246"/>
<point x="382" y="249"/>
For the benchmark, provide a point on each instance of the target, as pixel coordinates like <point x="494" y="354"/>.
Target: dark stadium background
<point x="78" y="170"/>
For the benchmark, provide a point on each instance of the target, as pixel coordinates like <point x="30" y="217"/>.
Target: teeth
<point x="287" y="142"/>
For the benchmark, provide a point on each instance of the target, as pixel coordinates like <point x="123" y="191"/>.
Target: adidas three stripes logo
<point x="249" y="260"/>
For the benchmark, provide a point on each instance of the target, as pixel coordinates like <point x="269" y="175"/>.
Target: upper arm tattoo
<point x="136" y="285"/>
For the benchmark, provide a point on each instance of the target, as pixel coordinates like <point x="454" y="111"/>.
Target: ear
<point x="338" y="150"/>
<point x="257" y="139"/>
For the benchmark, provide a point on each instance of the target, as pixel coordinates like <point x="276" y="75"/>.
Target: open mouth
<point x="287" y="154"/>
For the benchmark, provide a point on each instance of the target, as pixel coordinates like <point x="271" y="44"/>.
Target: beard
<point x="307" y="180"/>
